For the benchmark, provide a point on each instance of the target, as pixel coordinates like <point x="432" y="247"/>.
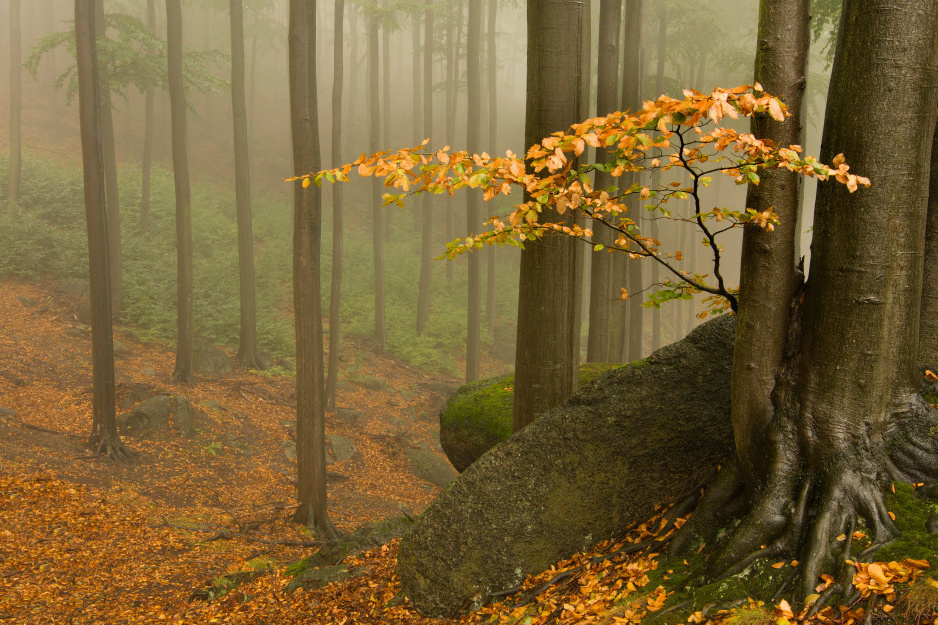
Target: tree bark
<point x="377" y="221"/>
<point x="426" y="210"/>
<point x="767" y="282"/>
<point x="178" y="111"/>
<point x="148" y="115"/>
<point x="474" y="196"/>
<point x="247" y="347"/>
<point x="655" y="181"/>
<point x="607" y="99"/>
<point x="307" y="231"/>
<point x="928" y="326"/>
<point x="491" y="252"/>
<point x="338" y="230"/>
<point x="104" y="438"/>
<point x="547" y="352"/>
<point x="16" y="103"/>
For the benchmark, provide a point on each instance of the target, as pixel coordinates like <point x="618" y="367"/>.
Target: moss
<point x="912" y="514"/>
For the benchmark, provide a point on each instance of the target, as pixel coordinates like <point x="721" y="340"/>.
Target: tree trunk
<point x="247" y="347"/>
<point x="148" y="115"/>
<point x="16" y="103"/>
<point x="607" y="99"/>
<point x="767" y="284"/>
<point x="452" y="93"/>
<point x="546" y="357"/>
<point x="417" y="113"/>
<point x="104" y="438"/>
<point x="177" y="104"/>
<point x="847" y="419"/>
<point x="491" y="252"/>
<point x="338" y="231"/>
<point x="110" y="175"/>
<point x="474" y="196"/>
<point x="655" y="181"/>
<point x="307" y="300"/>
<point x="426" y="217"/>
<point x="928" y="326"/>
<point x="377" y="222"/>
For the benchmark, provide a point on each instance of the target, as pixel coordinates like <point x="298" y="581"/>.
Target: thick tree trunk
<point x="767" y="282"/>
<point x="928" y="326"/>
<point x="473" y="196"/>
<point x="426" y="210"/>
<point x="148" y="122"/>
<point x="632" y="100"/>
<point x="247" y="347"/>
<point x="377" y="221"/>
<point x="607" y="101"/>
<point x="338" y="230"/>
<point x="547" y="352"/>
<point x="847" y="419"/>
<point x="16" y="103"/>
<point x="104" y="437"/>
<point x="177" y="103"/>
<point x="307" y="218"/>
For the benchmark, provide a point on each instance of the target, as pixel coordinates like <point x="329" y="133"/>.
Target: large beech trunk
<point x="846" y="418"/>
<point x="104" y="437"/>
<point x="547" y="351"/>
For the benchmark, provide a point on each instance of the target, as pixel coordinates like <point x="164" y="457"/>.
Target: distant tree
<point x="178" y="111"/>
<point x="377" y="222"/>
<point x="491" y="76"/>
<point x="426" y="212"/>
<point x="335" y="295"/>
<point x="16" y="103"/>
<point x="307" y="295"/>
<point x="104" y="437"/>
<point x="655" y="182"/>
<point x="474" y="198"/>
<point x="149" y="114"/>
<point x="247" y="346"/>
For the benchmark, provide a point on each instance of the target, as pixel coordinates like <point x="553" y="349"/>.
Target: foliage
<point x="825" y="22"/>
<point x="687" y="136"/>
<point x="134" y="56"/>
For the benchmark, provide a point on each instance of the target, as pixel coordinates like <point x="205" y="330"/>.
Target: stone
<point x="214" y="404"/>
<point x="120" y="349"/>
<point x="341" y="448"/>
<point x="348" y="415"/>
<point x="478" y="416"/>
<point x="7" y="411"/>
<point x="148" y="371"/>
<point x="289" y="450"/>
<point x="440" y="388"/>
<point x="83" y="312"/>
<point x="184" y="416"/>
<point x="429" y="466"/>
<point x="577" y="475"/>
<point x="209" y="360"/>
<point x="76" y="332"/>
<point x="150" y="414"/>
<point x="74" y="286"/>
<point x="26" y="302"/>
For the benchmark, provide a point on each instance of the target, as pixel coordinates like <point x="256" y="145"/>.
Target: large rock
<point x="428" y="466"/>
<point x="150" y="414"/>
<point x="209" y="360"/>
<point x="478" y="416"/>
<point x="579" y="474"/>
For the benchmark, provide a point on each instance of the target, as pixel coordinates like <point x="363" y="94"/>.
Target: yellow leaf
<point x="891" y="515"/>
<point x="876" y="573"/>
<point x="842" y="537"/>
<point x="306" y="183"/>
<point x="778" y="565"/>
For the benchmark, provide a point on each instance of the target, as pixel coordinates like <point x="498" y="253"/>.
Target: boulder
<point x="184" y="417"/>
<point x="580" y="474"/>
<point x="209" y="360"/>
<point x="340" y="448"/>
<point x="429" y="466"/>
<point x="26" y="302"/>
<point x="83" y="312"/>
<point x="478" y="416"/>
<point x="74" y="286"/>
<point x="150" y="414"/>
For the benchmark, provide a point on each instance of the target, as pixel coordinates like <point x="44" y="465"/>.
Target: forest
<point x="476" y="311"/>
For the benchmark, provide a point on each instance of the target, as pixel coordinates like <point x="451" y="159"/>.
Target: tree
<point x="377" y="223"/>
<point x="426" y="212"/>
<point x="307" y="295"/>
<point x="656" y="174"/>
<point x="16" y="104"/>
<point x="149" y="113"/>
<point x="548" y="298"/>
<point x="177" y="103"/>
<point x="607" y="98"/>
<point x="928" y="328"/>
<point x="247" y="347"/>
<point x="491" y="75"/>
<point x="473" y="198"/>
<point x="104" y="438"/>
<point x="335" y="294"/>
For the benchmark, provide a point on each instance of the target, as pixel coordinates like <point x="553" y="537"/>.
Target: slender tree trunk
<point x="148" y="115"/>
<point x="52" y="72"/>
<point x="768" y="282"/>
<point x="607" y="100"/>
<point x="452" y="93"/>
<point x="307" y="218"/>
<point x="655" y="181"/>
<point x="335" y="295"/>
<point x="177" y="102"/>
<point x="474" y="197"/>
<point x="16" y="103"/>
<point x="417" y="107"/>
<point x="104" y="438"/>
<point x="928" y="326"/>
<point x="110" y="174"/>
<point x="632" y="100"/>
<point x="386" y="113"/>
<point x="247" y="347"/>
<point x="426" y="217"/>
<point x="491" y="252"/>
<point x="546" y="360"/>
<point x="354" y="62"/>
<point x="252" y="119"/>
<point x="377" y="222"/>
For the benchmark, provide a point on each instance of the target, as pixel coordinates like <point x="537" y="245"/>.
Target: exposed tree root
<point x="111" y="447"/>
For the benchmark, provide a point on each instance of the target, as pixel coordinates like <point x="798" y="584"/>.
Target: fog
<point x="709" y="44"/>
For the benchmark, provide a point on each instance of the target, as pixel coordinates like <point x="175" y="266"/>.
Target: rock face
<point x="478" y="416"/>
<point x="427" y="465"/>
<point x="579" y="474"/>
